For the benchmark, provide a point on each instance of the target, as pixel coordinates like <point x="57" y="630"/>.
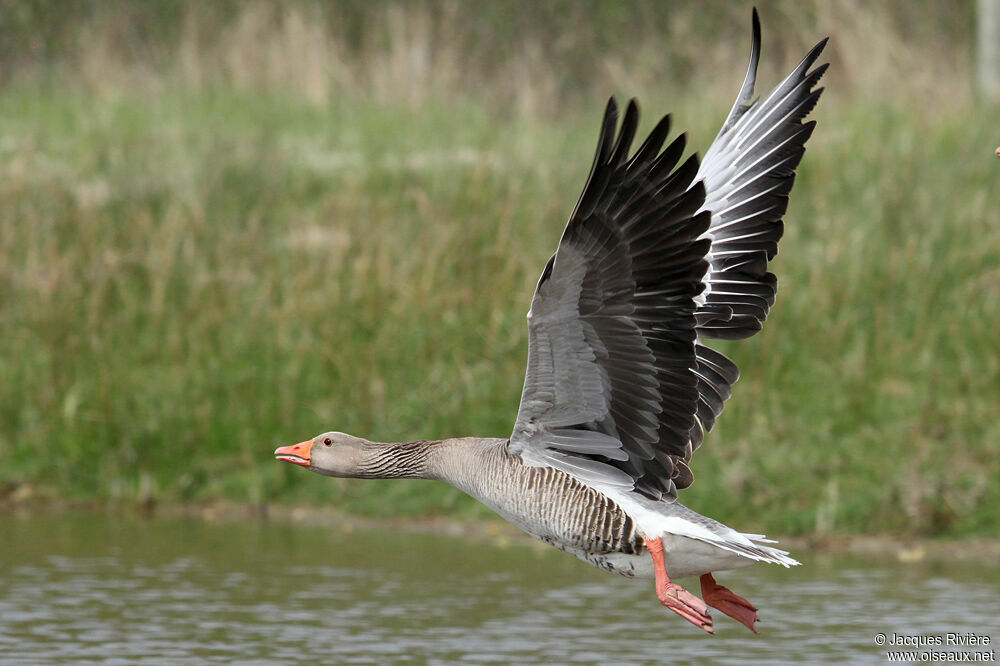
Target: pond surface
<point x="93" y="589"/>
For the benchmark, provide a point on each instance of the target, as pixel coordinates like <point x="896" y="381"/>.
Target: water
<point x="93" y="589"/>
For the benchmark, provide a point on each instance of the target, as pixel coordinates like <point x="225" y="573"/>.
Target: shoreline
<point x="903" y="549"/>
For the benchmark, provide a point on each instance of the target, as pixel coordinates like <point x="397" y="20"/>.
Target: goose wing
<point x="748" y="173"/>
<point x="655" y="257"/>
<point x="609" y="396"/>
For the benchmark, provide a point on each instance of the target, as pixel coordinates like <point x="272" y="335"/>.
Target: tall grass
<point x="258" y="225"/>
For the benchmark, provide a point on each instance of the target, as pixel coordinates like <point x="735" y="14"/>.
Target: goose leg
<point x="732" y="605"/>
<point x="675" y="597"/>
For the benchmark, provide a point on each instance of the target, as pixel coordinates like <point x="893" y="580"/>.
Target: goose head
<point x="331" y="454"/>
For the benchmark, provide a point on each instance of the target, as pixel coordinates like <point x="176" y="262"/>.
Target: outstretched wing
<point x="619" y="389"/>
<point x="609" y="395"/>
<point x="748" y="173"/>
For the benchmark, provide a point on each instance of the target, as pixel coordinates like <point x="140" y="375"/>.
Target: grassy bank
<point x="195" y="270"/>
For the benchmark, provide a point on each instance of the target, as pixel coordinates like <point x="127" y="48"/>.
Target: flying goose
<point x="658" y="256"/>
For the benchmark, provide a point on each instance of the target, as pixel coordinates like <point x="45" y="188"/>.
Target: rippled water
<point x="90" y="589"/>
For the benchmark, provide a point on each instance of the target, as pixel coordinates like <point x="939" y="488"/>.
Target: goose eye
<point x="327" y="442"/>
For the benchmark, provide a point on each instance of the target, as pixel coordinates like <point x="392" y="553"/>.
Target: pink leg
<point x="732" y="605"/>
<point x="675" y="597"/>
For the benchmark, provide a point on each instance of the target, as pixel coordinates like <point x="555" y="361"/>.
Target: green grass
<point x="192" y="277"/>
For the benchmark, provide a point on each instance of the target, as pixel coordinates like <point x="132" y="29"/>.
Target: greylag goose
<point x="658" y="256"/>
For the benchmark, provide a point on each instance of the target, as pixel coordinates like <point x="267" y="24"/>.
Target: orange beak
<point x="297" y="454"/>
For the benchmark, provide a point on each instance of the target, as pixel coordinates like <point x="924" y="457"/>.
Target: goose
<point x="658" y="256"/>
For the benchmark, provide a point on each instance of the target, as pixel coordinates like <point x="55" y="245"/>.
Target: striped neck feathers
<point x="355" y="458"/>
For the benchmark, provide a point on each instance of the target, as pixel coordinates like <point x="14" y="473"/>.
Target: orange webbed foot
<point x="687" y="605"/>
<point x="731" y="604"/>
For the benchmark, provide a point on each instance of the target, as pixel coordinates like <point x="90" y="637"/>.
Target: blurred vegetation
<point x="231" y="225"/>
